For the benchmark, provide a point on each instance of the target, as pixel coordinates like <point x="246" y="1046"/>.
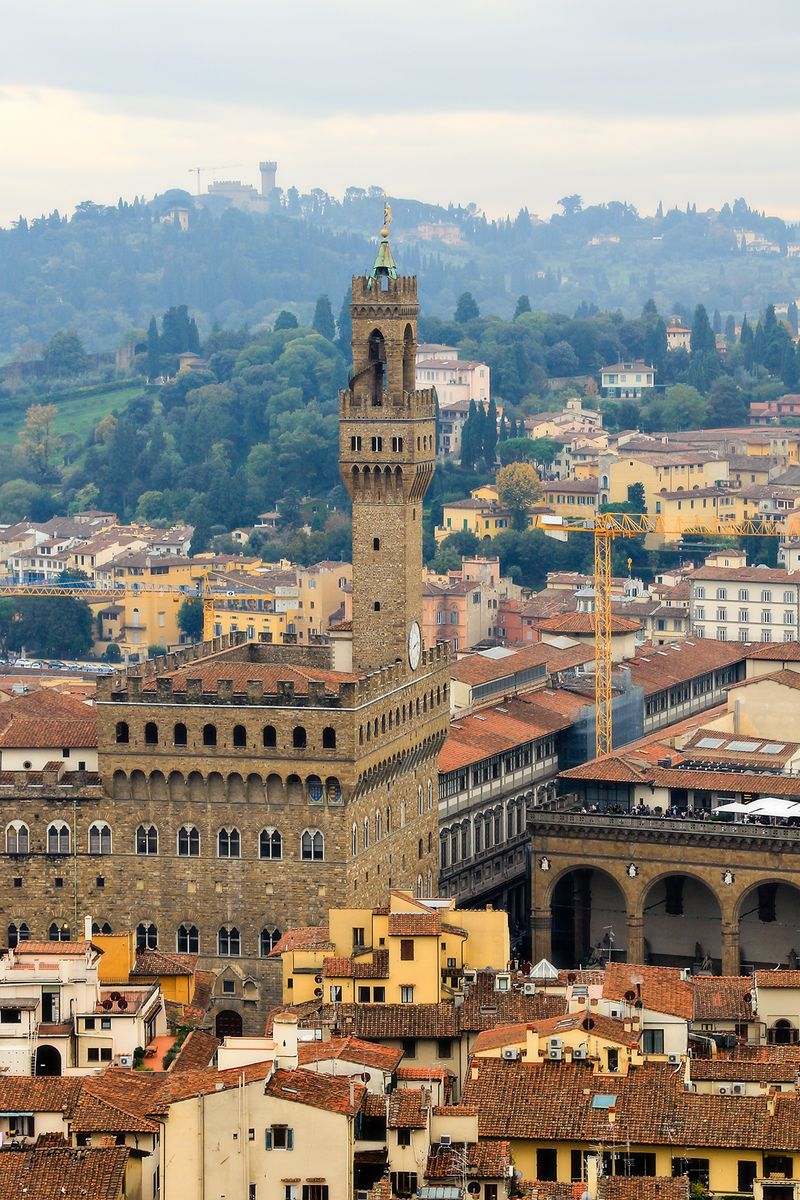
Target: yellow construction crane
<point x="605" y="527"/>
<point x="197" y="171"/>
<point x="99" y="593"/>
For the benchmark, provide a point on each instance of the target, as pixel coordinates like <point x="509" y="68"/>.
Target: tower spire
<point x="384" y="264"/>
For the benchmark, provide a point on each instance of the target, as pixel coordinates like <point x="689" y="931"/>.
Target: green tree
<point x="112" y="653"/>
<point x="789" y="373"/>
<point x="8" y="615"/>
<point x="518" y="488"/>
<point x="523" y="306"/>
<point x="323" y="322"/>
<point x="285" y="320"/>
<point x="571" y="204"/>
<point x="466" y="308"/>
<point x="727" y="405"/>
<point x="791" y="316"/>
<point x="21" y="500"/>
<point x="702" y="340"/>
<point x="37" y="440"/>
<point x="490" y="434"/>
<point x="53" y="628"/>
<point x="730" y="329"/>
<point x="636" y="498"/>
<point x="64" y="355"/>
<point x="516" y="450"/>
<point x="190" y="618"/>
<point x="154" y="650"/>
<point x="470" y="438"/>
<point x="153" y="350"/>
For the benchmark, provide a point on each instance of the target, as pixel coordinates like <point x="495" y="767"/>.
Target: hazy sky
<point x="503" y="102"/>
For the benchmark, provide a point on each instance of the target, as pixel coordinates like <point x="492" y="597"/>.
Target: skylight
<point x="708" y="743"/>
<point x="745" y="747"/>
<point x="604" y="1101"/>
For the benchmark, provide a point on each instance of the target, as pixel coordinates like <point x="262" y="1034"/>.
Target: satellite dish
<point x="122" y="1004"/>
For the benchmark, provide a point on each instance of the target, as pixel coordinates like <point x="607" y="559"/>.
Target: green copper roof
<point x="384" y="263"/>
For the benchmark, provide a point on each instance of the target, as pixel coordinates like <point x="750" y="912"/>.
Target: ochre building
<point x="245" y="787"/>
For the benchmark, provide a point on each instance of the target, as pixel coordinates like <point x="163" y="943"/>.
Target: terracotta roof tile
<point x="423" y="1074"/>
<point x="776" y="651"/>
<point x="661" y="988"/>
<point x="745" y="1070"/>
<point x="722" y="998"/>
<point x="65" y="1173"/>
<point x="196" y="1053"/>
<point x="318" y="1091"/>
<point x="159" y="962"/>
<point x="217" y="667"/>
<point x="554" y="1101"/>
<point x="485" y="1008"/>
<point x="585" y="623"/>
<point x="777" y="979"/>
<point x="493" y="730"/>
<point x="40" y="733"/>
<point x="357" y="968"/>
<point x="350" y="1049"/>
<point x="484" y="1160"/>
<point x="423" y="924"/>
<point x="375" y="1022"/>
<point x="312" y="937"/>
<point x="26" y="1093"/>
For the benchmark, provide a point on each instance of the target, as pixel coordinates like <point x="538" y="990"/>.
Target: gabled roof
<point x="407" y="1108"/>
<point x="422" y="924"/>
<point x="343" y="1096"/>
<point x="661" y="989"/>
<point x="160" y="962"/>
<point x="309" y="937"/>
<point x="356" y="968"/>
<point x="484" y="1160"/>
<point x="38" y="1093"/>
<point x="352" y="1050"/>
<point x="722" y="998"/>
<point x="196" y="1053"/>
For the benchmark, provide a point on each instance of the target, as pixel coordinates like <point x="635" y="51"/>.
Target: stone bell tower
<point x="387" y="449"/>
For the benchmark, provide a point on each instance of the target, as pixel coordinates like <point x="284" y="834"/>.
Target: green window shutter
<point x="290" y="1139"/>
<point x="267" y="1139"/>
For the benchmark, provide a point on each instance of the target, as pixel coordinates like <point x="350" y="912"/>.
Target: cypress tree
<point x="789" y="366"/>
<point x="490" y="434"/>
<point x="323" y="322"/>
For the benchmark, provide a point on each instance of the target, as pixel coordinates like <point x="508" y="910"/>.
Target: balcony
<point x="562" y="817"/>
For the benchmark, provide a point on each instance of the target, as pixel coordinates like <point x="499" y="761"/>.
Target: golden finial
<point x="387" y="217"/>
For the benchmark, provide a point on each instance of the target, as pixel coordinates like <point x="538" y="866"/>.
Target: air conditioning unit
<point x="470" y="976"/>
<point x="555" y="1054"/>
<point x="556" y="1043"/>
<point x="126" y="1060"/>
<point x="445" y="1139"/>
<point x="580" y="1054"/>
<point x="723" y="1091"/>
<point x="615" y="1012"/>
<point x="738" y="1089"/>
<point x="674" y="1060"/>
<point x="529" y="989"/>
<point x="362" y="1195"/>
<point x="511" y="1054"/>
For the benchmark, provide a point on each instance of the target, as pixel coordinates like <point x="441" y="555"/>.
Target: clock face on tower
<point x="414" y="645"/>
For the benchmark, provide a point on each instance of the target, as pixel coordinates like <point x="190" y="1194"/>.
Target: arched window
<point x="402" y="812"/>
<point x="420" y="801"/>
<point x="312" y="846"/>
<point x="429" y="883"/>
<point x="430" y="795"/>
<point x="420" y="848"/>
<point x="151" y="734"/>
<point x="378" y="825"/>
<point x="269" y="940"/>
<point x="329" y="738"/>
<point x="101" y="928"/>
<point x="270" y="844"/>
<point x="419" y="887"/>
<point x="366" y="833"/>
<point x="188" y="842"/>
<point x="299" y="737"/>
<point x="782" y="1033"/>
<point x="269" y="738"/>
<point x="229" y="942"/>
<point x="354" y="839"/>
<point x="229" y="843"/>
<point x="179" y="735"/>
<point x="18" y="933"/>
<point x="443" y="849"/>
<point x="58" y="838"/>
<point x="18" y="839"/>
<point x="454" y="843"/>
<point x="146" y="936"/>
<point x="58" y="933"/>
<point x="188" y="939"/>
<point x="388" y="820"/>
<point x="99" y="838"/>
<point x="376" y="543"/>
<point x="147" y="839"/>
<point x="209" y="735"/>
<point x="122" y="733"/>
<point x="239" y="737"/>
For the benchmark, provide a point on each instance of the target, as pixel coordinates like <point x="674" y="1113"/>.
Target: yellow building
<point x="122" y="964"/>
<point x="408" y="952"/>
<point x="657" y="472"/>
<point x="639" y="1117"/>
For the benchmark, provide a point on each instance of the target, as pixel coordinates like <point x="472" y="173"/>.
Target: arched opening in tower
<point x="409" y="360"/>
<point x="377" y="362"/>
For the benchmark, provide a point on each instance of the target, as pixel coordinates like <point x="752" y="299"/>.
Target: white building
<point x="627" y="381"/>
<point x="56" y="1019"/>
<point x="746" y="604"/>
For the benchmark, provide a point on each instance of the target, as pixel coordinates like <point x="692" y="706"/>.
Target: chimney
<point x="284" y="1034"/>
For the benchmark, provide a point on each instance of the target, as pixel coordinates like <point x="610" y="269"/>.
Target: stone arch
<point x="196" y="785"/>
<point x="767" y="915"/>
<point x="235" y="788"/>
<point x="409" y="356"/>
<point x="589" y="917"/>
<point x="120" y="786"/>
<point x="228" y="1023"/>
<point x="215" y="785"/>
<point x="376" y="358"/>
<point x="681" y="921"/>
<point x="275" y="794"/>
<point x="333" y="790"/>
<point x="176" y="785"/>
<point x="255" y="789"/>
<point x="47" y="1061"/>
<point x="294" y="789"/>
<point x="138" y="785"/>
<point x="158" y="786"/>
